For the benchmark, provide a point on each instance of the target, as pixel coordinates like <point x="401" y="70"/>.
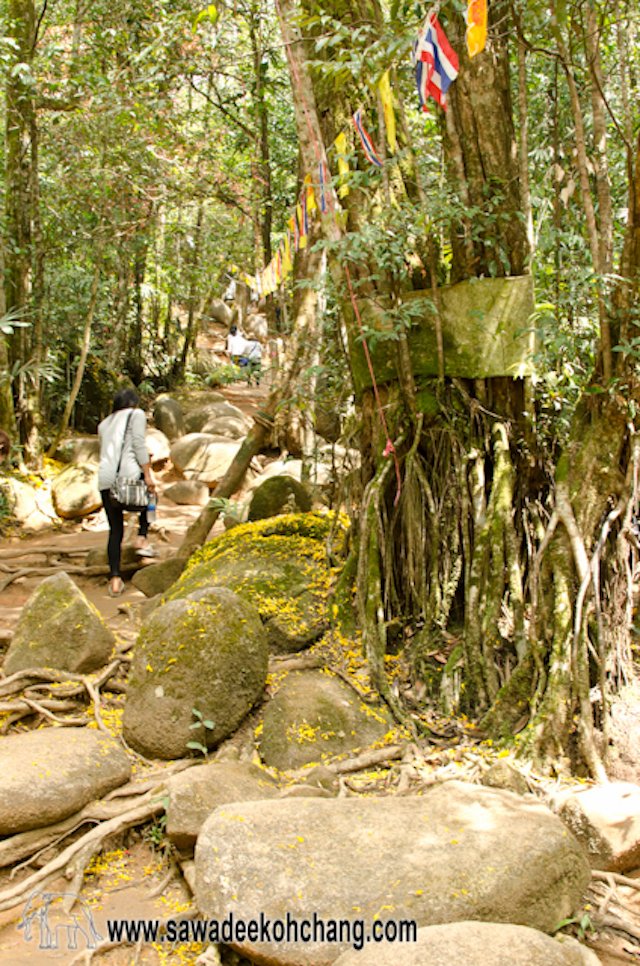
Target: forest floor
<point x="123" y="878"/>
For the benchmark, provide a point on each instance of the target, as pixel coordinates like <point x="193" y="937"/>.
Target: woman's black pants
<point x="115" y="516"/>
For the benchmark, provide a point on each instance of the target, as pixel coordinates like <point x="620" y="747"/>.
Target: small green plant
<point x="155" y="833"/>
<point x="583" y="924"/>
<point x="200" y="723"/>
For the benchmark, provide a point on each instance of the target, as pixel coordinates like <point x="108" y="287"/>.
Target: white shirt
<point x="235" y="344"/>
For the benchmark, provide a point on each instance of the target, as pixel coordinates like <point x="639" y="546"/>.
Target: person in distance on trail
<point x="116" y="438"/>
<point x="235" y="344"/>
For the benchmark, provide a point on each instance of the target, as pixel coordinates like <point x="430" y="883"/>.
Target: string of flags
<point x="436" y="67"/>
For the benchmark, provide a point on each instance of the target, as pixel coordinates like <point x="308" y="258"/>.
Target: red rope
<point x="389" y="447"/>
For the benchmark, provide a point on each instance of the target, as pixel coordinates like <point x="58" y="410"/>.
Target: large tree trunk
<point x="21" y="201"/>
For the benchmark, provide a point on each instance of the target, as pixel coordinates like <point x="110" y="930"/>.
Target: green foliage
<point x="200" y="723"/>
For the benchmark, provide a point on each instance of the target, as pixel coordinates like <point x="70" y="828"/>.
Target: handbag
<point x="127" y="494"/>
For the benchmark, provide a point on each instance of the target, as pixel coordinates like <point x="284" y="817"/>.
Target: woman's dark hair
<point x="233" y="330"/>
<point x="125" y="399"/>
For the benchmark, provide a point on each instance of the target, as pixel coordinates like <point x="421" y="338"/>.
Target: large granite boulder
<point x="220" y="312"/>
<point x="187" y="493"/>
<point x="315" y="715"/>
<point x="59" y="628"/>
<point x="278" y="565"/>
<point x="278" y="494"/>
<point x="30" y="506"/>
<point x="606" y="821"/>
<point x="50" y="773"/>
<point x="157" y="578"/>
<point x="459" y="851"/>
<point x="75" y="491"/>
<point x="158" y="445"/>
<point x="79" y="449"/>
<point x="194" y="794"/>
<point x="203" y="457"/>
<point x="207" y="653"/>
<point x="221" y="419"/>
<point x="168" y="417"/>
<point x="472" y="944"/>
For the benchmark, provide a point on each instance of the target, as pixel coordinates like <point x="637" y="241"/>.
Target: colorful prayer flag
<point x="387" y="106"/>
<point x="310" y="198"/>
<point x="476" y="26"/>
<point x="365" y="140"/>
<point x="323" y="188"/>
<point x="435" y="61"/>
<point x="302" y="222"/>
<point x="343" y="168"/>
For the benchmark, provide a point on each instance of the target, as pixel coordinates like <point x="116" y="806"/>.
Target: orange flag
<point x="476" y="26"/>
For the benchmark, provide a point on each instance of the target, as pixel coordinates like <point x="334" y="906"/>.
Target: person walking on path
<point x="123" y="432"/>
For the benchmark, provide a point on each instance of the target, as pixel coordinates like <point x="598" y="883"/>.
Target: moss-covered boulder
<point x="205" y="653"/>
<point x="59" y="628"/>
<point x="279" y="565"/>
<point x="75" y="491"/>
<point x="157" y="578"/>
<point x="314" y="715"/>
<point x="280" y="494"/>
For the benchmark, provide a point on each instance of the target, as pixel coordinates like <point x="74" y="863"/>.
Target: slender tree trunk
<point x="84" y="351"/>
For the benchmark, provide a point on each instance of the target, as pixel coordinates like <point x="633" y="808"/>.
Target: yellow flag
<point x="302" y="228"/>
<point x="387" y="106"/>
<point x="343" y="167"/>
<point x="310" y="197"/>
<point x="286" y="257"/>
<point x="476" y="26"/>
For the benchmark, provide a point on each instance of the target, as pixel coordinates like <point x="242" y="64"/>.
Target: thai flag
<point x="435" y="61"/>
<point x="367" y="144"/>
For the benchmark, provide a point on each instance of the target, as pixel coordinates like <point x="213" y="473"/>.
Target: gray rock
<point x="188" y="493"/>
<point x="458" y="851"/>
<point x="476" y="943"/>
<point x="257" y="326"/>
<point x="193" y="399"/>
<point x="29" y="506"/>
<point x="59" y="628"/>
<point x="278" y="494"/>
<point x="195" y="793"/>
<point x="504" y="775"/>
<point x="606" y="821"/>
<point x="222" y="414"/>
<point x="623" y="763"/>
<point x="81" y="449"/>
<point x="203" y="457"/>
<point x="206" y="652"/>
<point x="157" y="578"/>
<point x="75" y="491"/>
<point x="315" y="715"/>
<point x="98" y="557"/>
<point x="50" y="773"/>
<point x="158" y="445"/>
<point x="274" y="565"/>
<point x="220" y="312"/>
<point x="168" y="417"/>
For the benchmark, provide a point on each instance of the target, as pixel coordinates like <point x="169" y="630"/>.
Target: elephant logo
<point x="36" y="910"/>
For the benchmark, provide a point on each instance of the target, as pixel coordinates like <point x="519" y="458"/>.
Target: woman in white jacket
<point x="123" y="432"/>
